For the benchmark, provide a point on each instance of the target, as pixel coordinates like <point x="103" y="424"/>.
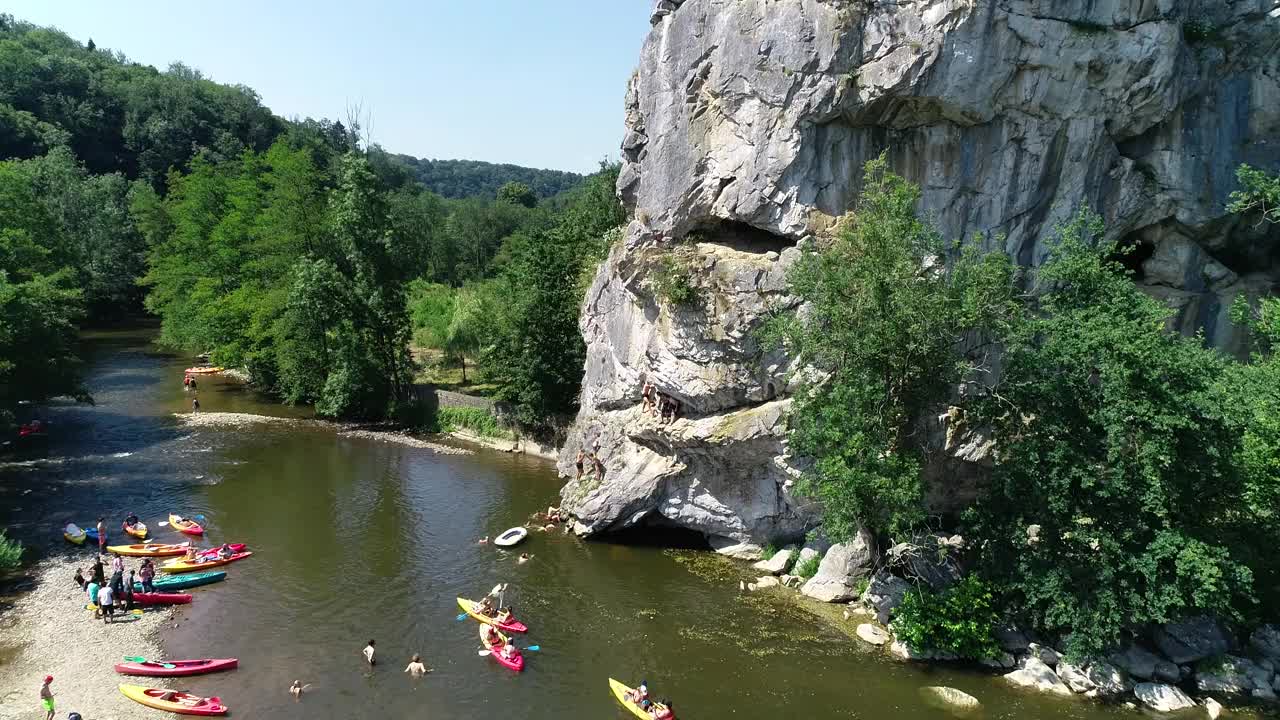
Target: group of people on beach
<point x="658" y="403"/>
<point x="116" y="594"/>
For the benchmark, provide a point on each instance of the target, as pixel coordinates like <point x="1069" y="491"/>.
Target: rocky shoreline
<point x="47" y="631"/>
<point x="1178" y="666"/>
<point x="242" y="420"/>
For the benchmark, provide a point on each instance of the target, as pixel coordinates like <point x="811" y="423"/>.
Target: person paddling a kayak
<point x="489" y="635"/>
<point x="640" y="695"/>
<point x="662" y="711"/>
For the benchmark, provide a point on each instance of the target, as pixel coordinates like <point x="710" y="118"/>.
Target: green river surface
<point x="356" y="539"/>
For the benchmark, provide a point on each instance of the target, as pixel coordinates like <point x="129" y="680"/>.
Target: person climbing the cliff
<point x="582" y="455"/>
<point x="599" y="466"/>
<point x="646" y="397"/>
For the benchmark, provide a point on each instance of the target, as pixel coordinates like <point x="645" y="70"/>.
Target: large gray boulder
<point x="746" y="128"/>
<point x="1233" y="674"/>
<point x="1011" y="638"/>
<point x="1162" y="698"/>
<point x="1075" y="677"/>
<point x="931" y="558"/>
<point x="842" y="569"/>
<point x="1266" y="642"/>
<point x="1192" y="639"/>
<point x="1036" y="675"/>
<point x="1141" y="663"/>
<point x="873" y="634"/>
<point x="1109" y="680"/>
<point x="884" y="594"/>
<point x="950" y="699"/>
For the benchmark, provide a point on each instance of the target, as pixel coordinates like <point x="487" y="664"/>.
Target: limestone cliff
<point x="747" y="125"/>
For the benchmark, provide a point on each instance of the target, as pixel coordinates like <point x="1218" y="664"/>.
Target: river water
<point x="357" y="539"/>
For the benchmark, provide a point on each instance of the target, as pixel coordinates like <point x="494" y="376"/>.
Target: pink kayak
<point x="213" y="551"/>
<point x="159" y="598"/>
<point x="180" y="667"/>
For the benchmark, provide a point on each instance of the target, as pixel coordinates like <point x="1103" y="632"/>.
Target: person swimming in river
<point x="524" y="558"/>
<point x="195" y="405"/>
<point x="483" y="541"/>
<point x="416" y="668"/>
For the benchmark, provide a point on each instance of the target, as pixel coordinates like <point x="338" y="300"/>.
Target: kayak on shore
<point x="91" y="533"/>
<point x="182" y="582"/>
<point x="511" y="625"/>
<point x="621" y="691"/>
<point x="174" y="701"/>
<point x="74" y="534"/>
<point x="204" y="370"/>
<point x="175" y="668"/>
<point x="161" y="598"/>
<point x="514" y="663"/>
<point x="150" y="549"/>
<point x="181" y="566"/>
<point x="213" y="551"/>
<point x="190" y="527"/>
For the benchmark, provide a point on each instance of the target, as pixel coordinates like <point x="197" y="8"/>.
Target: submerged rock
<point x="949" y="698"/>
<point x="842" y="569"/>
<point x="1162" y="698"/>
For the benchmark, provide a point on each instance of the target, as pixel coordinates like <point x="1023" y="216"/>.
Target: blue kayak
<point x="186" y="580"/>
<point x="91" y="533"/>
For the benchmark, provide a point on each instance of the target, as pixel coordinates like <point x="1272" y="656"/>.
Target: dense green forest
<point x="473" y="178"/>
<point x="1137" y="474"/>
<point x="289" y="248"/>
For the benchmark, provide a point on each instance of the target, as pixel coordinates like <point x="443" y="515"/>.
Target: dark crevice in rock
<point x="739" y="236"/>
<point x="654" y="530"/>
<point x="1133" y="252"/>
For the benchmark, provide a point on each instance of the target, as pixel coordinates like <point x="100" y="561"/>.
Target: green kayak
<point x="186" y="580"/>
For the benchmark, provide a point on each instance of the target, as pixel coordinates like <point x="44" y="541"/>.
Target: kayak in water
<point x="624" y="695"/>
<point x="181" y="566"/>
<point x="511" y="625"/>
<point x="514" y="662"/>
<point x="183" y="525"/>
<point x="138" y="530"/>
<point x="511" y="537"/>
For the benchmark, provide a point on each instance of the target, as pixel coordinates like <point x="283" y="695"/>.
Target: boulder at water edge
<point x="777" y="564"/>
<point x="1036" y="675"/>
<point x="1162" y="698"/>
<point x="1011" y="638"/>
<point x="1145" y="665"/>
<point x="1213" y="708"/>
<point x="1046" y="655"/>
<point x="842" y="567"/>
<point x="873" y="634"/>
<point x="1236" y="675"/>
<point x="767" y="581"/>
<point x="949" y="698"/>
<point x="1192" y="639"/>
<point x="884" y="594"/>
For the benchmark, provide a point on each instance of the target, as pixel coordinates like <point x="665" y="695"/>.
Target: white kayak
<point x="511" y="537"/>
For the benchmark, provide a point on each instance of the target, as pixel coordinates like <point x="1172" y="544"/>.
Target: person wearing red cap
<point x="46" y="697"/>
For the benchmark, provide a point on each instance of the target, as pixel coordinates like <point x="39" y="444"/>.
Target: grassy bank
<point x="475" y="420"/>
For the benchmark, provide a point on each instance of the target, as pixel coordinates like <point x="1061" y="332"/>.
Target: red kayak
<point x="159" y="598"/>
<point x="213" y="551"/>
<point x="515" y="663"/>
<point x="180" y="667"/>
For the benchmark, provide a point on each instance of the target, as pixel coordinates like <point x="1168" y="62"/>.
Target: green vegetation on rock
<point x="959" y="620"/>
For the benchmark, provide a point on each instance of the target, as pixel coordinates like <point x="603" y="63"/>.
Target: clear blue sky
<point x="531" y="82"/>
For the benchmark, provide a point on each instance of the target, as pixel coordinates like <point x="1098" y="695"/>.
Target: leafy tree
<point x="882" y="340"/>
<point x="1118" y="439"/>
<point x="1258" y="192"/>
<point x="458" y="179"/>
<point x="517" y="193"/>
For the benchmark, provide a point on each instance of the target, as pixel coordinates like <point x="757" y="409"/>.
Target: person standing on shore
<point x="46" y="697"/>
<point x="368" y="654"/>
<point x="195" y="405"/>
<point x="98" y="575"/>
<point x="148" y="576"/>
<point x="128" y="592"/>
<point x="102" y="536"/>
<point x="106" y="603"/>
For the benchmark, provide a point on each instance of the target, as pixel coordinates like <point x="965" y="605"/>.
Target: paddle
<point x="165" y="665"/>
<point x="461" y="617"/>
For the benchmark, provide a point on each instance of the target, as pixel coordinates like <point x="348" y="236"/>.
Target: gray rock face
<point x="1266" y="642"/>
<point x="1046" y="655"/>
<point x="1107" y="678"/>
<point x="930" y="558"/>
<point x="1142" y="664"/>
<point x="1162" y="698"/>
<point x="1075" y="677"/>
<point x="1011" y="638"/>
<point x="1235" y="675"/>
<point x="747" y="125"/>
<point x="884" y="593"/>
<point x="844" y="565"/>
<point x="1038" y="676"/>
<point x="1192" y="639"/>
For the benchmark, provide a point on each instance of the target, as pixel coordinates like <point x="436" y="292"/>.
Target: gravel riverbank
<point x="47" y="631"/>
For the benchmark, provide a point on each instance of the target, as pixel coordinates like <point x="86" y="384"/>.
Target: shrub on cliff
<point x="883" y="338"/>
<point x="958" y="620"/>
<point x="10" y="553"/>
<point x="1122" y="441"/>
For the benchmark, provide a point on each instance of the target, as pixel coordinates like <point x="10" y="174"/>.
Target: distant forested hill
<point x="472" y="178"/>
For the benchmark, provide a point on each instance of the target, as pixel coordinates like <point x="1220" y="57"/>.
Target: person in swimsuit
<point x="46" y="697"/>
<point x="415" y="667"/>
<point x="368" y="654"/>
<point x="102" y="536"/>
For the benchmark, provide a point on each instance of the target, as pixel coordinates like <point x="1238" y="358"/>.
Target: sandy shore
<point x="47" y="631"/>
<point x="240" y="420"/>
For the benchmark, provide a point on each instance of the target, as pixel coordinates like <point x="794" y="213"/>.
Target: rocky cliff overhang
<point x="748" y="122"/>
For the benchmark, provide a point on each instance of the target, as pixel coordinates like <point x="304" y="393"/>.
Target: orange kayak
<point x="181" y="566"/>
<point x="139" y="531"/>
<point x="149" y="549"/>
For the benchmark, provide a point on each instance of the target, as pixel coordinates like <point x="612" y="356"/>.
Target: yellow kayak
<point x="204" y="370"/>
<point x="73" y="534"/>
<point x="139" y="531"/>
<point x="620" y="691"/>
<point x="149" y="549"/>
<point x="511" y="625"/>
<point x="176" y="701"/>
<point x="181" y="566"/>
